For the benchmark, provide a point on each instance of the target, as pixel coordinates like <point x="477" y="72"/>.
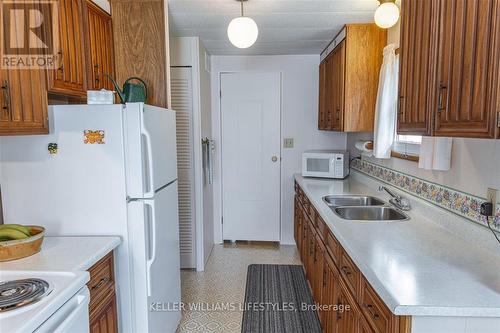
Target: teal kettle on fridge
<point x="131" y="92"/>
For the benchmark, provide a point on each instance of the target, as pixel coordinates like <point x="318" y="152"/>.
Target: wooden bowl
<point x="20" y="248"/>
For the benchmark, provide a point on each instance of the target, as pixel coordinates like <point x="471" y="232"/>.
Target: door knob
<point x="274" y="159"/>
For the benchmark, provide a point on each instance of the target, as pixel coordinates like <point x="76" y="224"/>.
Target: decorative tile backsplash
<point x="460" y="203"/>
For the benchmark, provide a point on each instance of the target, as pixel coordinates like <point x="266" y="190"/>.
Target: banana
<point x="12" y="234"/>
<point x="17" y="227"/>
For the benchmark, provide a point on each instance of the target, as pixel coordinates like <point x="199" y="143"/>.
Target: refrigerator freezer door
<point x="156" y="261"/>
<point x="150" y="147"/>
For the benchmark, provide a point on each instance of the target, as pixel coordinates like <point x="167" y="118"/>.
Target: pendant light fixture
<point x="387" y="14"/>
<point x="242" y="31"/>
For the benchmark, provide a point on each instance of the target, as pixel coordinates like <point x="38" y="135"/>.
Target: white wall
<point x="298" y="121"/>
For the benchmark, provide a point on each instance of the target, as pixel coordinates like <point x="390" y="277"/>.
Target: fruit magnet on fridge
<point x="93" y="137"/>
<point x="52" y="148"/>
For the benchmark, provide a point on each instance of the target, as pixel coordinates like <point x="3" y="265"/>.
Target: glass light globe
<point x="387" y="15"/>
<point x="242" y="32"/>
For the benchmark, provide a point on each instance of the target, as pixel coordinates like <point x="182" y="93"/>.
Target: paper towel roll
<point x="366" y="147"/>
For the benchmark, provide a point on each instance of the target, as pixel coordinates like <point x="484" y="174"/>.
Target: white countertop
<point x="66" y="253"/>
<point x="418" y="267"/>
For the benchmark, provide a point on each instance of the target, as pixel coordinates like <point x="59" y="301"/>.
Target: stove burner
<point x="18" y="293"/>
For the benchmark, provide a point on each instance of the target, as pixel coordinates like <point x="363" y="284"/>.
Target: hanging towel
<point x="385" y="109"/>
<point x="435" y="153"/>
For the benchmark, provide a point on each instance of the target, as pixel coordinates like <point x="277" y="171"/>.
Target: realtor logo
<point x="29" y="34"/>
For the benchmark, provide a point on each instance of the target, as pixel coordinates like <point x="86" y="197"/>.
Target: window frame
<point x="405" y="149"/>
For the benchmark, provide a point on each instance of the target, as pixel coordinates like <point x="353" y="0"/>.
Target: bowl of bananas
<point x="19" y="241"/>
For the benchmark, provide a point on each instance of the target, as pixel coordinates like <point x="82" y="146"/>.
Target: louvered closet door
<point x="182" y="103"/>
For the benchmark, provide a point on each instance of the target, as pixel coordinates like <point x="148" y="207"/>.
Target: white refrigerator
<point x="106" y="170"/>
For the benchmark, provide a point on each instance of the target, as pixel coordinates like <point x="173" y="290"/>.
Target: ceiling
<point x="285" y="26"/>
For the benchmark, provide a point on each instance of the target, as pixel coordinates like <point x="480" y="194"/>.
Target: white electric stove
<point x="32" y="301"/>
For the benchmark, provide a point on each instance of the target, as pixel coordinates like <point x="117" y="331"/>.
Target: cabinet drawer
<point x="350" y="273"/>
<point x="333" y="247"/>
<point x="374" y="309"/>
<point x="101" y="279"/>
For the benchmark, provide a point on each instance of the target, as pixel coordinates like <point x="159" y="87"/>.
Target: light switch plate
<point x="491" y="196"/>
<point x="288" y="143"/>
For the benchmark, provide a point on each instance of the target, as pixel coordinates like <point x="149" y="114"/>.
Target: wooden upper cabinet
<point x="449" y="72"/>
<point x="468" y="68"/>
<point x="349" y="92"/>
<point x="23" y="97"/>
<point x="100" y="39"/>
<point x="140" y="35"/>
<point x="70" y="78"/>
<point x="23" y="102"/>
<point x="417" y="58"/>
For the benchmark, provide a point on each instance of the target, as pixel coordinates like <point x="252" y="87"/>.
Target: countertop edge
<point x="101" y="253"/>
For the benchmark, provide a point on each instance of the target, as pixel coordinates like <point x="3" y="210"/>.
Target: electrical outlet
<point x="288" y="143"/>
<point x="491" y="196"/>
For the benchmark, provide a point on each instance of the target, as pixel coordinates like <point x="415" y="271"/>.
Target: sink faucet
<point x="397" y="200"/>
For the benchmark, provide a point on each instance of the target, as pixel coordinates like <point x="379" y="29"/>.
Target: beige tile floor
<point x="223" y="282"/>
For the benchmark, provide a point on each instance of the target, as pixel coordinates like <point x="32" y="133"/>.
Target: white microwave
<point x="325" y="163"/>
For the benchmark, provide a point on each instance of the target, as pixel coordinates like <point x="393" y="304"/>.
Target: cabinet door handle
<point x="61" y="66"/>
<point x="372" y="312"/>
<point x="339" y="302"/>
<point x="100" y="283"/>
<point x="6" y="96"/>
<point x="96" y="73"/>
<point x="400" y="108"/>
<point x="346" y="270"/>
<point x="441" y="107"/>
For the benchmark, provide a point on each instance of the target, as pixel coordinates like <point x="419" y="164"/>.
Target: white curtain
<point x="385" y="110"/>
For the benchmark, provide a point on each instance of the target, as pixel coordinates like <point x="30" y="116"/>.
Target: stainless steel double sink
<point x="364" y="208"/>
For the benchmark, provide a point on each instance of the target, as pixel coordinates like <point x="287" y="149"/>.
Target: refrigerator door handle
<point x="149" y="152"/>
<point x="151" y="232"/>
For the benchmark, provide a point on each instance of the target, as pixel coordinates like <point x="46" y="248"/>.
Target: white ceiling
<point x="285" y="26"/>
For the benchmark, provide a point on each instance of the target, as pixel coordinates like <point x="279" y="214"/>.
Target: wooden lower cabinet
<point x="349" y="303"/>
<point x="104" y="318"/>
<point x="347" y="320"/>
<point x="329" y="295"/>
<point x="317" y="266"/>
<point x="102" y="307"/>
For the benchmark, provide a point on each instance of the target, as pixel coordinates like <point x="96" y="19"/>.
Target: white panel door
<point x="250" y="111"/>
<point x="182" y="103"/>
